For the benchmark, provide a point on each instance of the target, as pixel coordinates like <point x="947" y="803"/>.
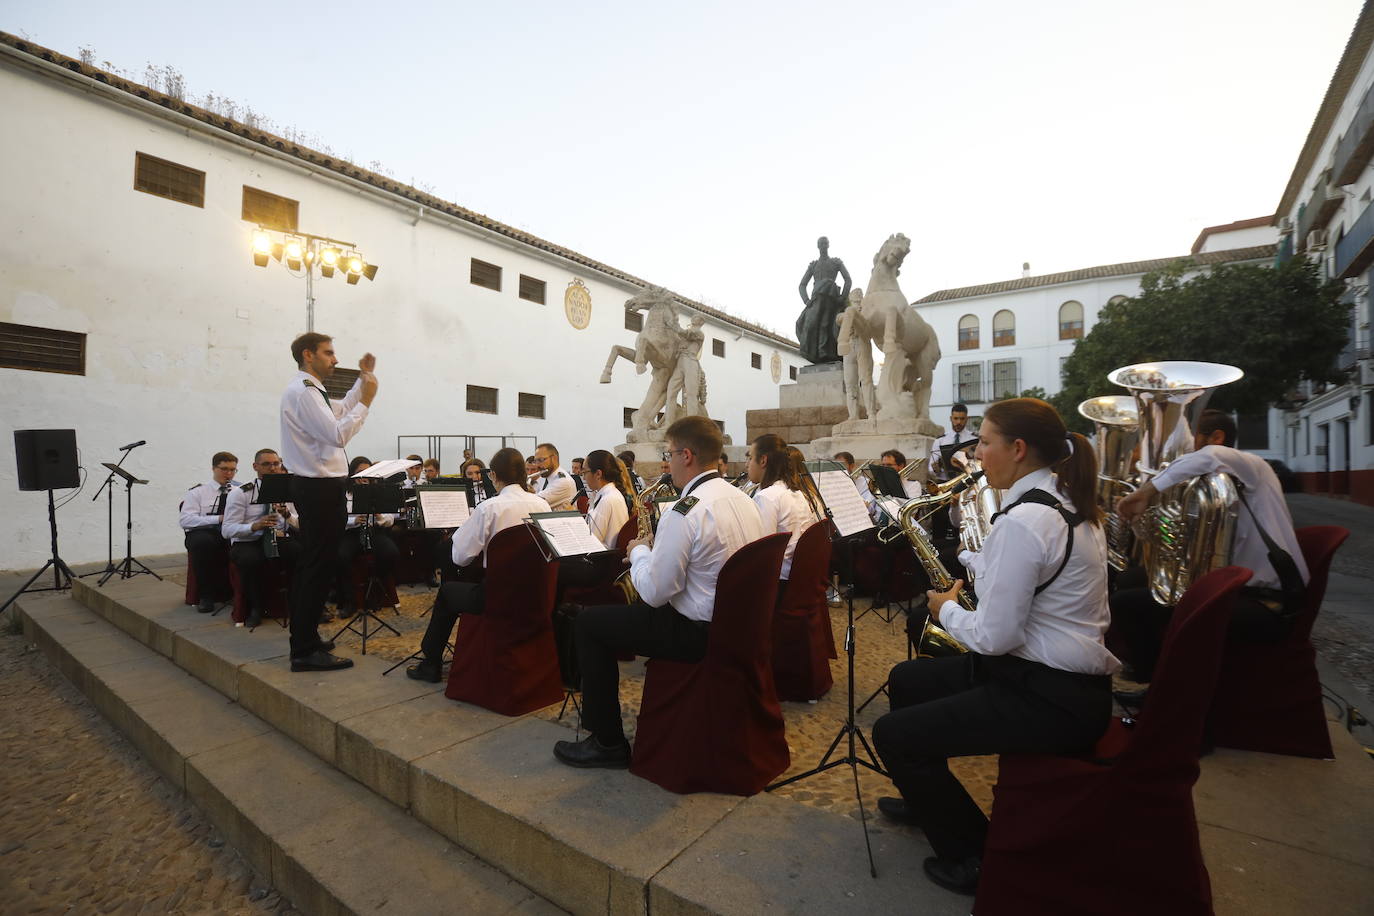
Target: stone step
<point x="327" y="843"/>
<point x="590" y="841"/>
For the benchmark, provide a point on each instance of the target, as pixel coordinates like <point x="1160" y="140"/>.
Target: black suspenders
<point x="1040" y="497"/>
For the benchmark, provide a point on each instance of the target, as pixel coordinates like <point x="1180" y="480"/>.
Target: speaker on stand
<point x="46" y="460"/>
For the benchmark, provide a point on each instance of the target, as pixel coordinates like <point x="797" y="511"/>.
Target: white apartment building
<point x="131" y="307"/>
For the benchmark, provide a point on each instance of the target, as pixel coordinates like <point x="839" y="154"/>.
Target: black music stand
<point x="61" y="573"/>
<point x="108" y="489"/>
<point x="369" y="500"/>
<point x="276" y="488"/>
<point x="126" y="568"/>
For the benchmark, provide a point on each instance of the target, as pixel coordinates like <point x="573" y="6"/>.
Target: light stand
<point x="126" y="568"/>
<point x="61" y="572"/>
<point x="108" y="489"/>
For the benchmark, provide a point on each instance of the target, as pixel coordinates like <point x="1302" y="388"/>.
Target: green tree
<point x="1279" y="325"/>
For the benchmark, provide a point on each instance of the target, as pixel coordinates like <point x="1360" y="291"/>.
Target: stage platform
<point x="351" y="792"/>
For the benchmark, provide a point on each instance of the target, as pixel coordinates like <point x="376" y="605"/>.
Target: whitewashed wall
<point x="188" y="341"/>
<point x="1240" y="238"/>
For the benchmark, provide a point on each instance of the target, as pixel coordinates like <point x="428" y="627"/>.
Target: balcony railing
<point x="1285" y="252"/>
<point x="1354" y="251"/>
<point x="1355" y="148"/>
<point x="1318" y="210"/>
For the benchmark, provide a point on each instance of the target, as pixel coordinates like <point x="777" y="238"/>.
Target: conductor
<point x="314" y="431"/>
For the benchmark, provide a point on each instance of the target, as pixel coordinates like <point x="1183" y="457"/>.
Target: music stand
<point x="61" y="573"/>
<point x="369" y="500"/>
<point x="275" y="488"/>
<point x="108" y="489"/>
<point x="126" y="568"/>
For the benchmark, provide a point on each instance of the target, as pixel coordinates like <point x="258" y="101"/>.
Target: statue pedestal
<point x="866" y="440"/>
<point x="648" y="456"/>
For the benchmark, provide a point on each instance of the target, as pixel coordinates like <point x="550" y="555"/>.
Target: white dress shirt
<point x="607" y="514"/>
<point x="1064" y="625"/>
<point x="940" y="470"/>
<point x="198" y="505"/>
<point x="557" y="489"/>
<point x="784" y="511"/>
<point x="505" y="510"/>
<point x="314" y="429"/>
<point x="1265" y="496"/>
<point x="689" y="549"/>
<point x="240" y="512"/>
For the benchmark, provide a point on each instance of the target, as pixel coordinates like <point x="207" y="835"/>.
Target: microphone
<point x="125" y="448"/>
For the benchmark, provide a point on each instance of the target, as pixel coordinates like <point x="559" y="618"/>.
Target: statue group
<point x="672" y="353"/>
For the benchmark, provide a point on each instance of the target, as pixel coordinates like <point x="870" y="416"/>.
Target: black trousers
<point x="323" y="514"/>
<point x="385" y="555"/>
<point x="1142" y="622"/>
<point x="202" y="547"/>
<point x="248" y="556"/>
<point x="606" y="631"/>
<point x="973" y="704"/>
<point x="454" y="600"/>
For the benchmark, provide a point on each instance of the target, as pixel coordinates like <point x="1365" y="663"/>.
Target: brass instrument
<point x="855" y="474"/>
<point x="934" y="641"/>
<point x="1116" y="429"/>
<point x="644" y="529"/>
<point x="1189" y="529"/>
<point x="978" y="503"/>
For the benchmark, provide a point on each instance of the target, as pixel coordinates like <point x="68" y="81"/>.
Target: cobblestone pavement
<point x="87" y="825"/>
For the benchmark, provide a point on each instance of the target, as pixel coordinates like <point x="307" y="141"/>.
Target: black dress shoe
<point x="425" y="671"/>
<point x="205" y="606"/>
<point x="1132" y="698"/>
<point x="958" y="875"/>
<point x="254" y="619"/>
<point x="320" y="660"/>
<point x="326" y="645"/>
<point x="346" y="611"/>
<point x="590" y="752"/>
<point x="895" y="809"/>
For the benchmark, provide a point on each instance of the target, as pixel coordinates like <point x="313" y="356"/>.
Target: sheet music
<point x="443" y="508"/>
<point x="842" y="497"/>
<point x="387" y="468"/>
<point x="567" y="533"/>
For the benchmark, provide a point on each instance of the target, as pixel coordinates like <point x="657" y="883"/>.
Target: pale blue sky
<point x="704" y="148"/>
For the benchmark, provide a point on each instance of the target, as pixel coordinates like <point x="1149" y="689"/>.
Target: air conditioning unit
<point x="1316" y="240"/>
<point x="1366" y="373"/>
<point x="1285" y="226"/>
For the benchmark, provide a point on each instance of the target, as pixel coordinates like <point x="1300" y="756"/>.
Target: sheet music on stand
<point x="387" y="468"/>
<point x="566" y="533"/>
<point x="442" y="506"/>
<point x="842" y="497"/>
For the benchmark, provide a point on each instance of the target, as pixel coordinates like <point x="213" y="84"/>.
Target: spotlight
<point x="262" y="247"/>
<point x="369" y="270"/>
<point x="354" y="264"/>
<point x="353" y="279"/>
<point x="294" y="250"/>
<point x="329" y="259"/>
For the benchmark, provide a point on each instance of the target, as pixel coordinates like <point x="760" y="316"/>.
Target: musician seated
<point x="431" y="471"/>
<point x="554" y="484"/>
<point x="578" y="464"/>
<point x="607" y="481"/>
<point x="944" y="467"/>
<point x="676" y="580"/>
<point x="1036" y="678"/>
<point x="860" y="481"/>
<point x="364" y="535"/>
<point x="414" y="473"/>
<point x="443" y="546"/>
<point x="245" y="526"/>
<point x="512" y="504"/>
<point x="1265" y="609"/>
<point x="723" y="467"/>
<point x="628" y="459"/>
<point x="897" y="461"/>
<point x="784" y="503"/>
<point x="202" y="511"/>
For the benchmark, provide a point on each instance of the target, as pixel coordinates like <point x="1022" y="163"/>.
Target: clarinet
<point x="269" y="539"/>
<point x="365" y="536"/>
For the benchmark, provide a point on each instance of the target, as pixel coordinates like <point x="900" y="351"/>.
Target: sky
<point x="705" y="146"/>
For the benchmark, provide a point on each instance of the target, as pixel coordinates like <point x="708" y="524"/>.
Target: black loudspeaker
<point x="46" y="459"/>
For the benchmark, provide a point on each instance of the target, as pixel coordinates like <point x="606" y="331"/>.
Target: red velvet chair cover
<point x="358" y="575"/>
<point x="715" y="726"/>
<point x="1269" y="697"/>
<point x="801" y="622"/>
<point x="582" y="501"/>
<point x="277" y="585"/>
<point x="608" y="592"/>
<point x="220" y="586"/>
<point x="888" y="572"/>
<point x="627" y="532"/>
<point x="1116" y="832"/>
<point x="504" y="659"/>
<point x="416" y="563"/>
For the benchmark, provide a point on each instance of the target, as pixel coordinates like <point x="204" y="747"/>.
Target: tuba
<point x="644" y="529"/>
<point x="1116" y="429"/>
<point x="978" y="503"/>
<point x="934" y="641"/>
<point x="1189" y="528"/>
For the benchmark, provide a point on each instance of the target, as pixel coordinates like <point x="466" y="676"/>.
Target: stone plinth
<point x="796" y="425"/>
<point x="821" y="385"/>
<point x="866" y="440"/>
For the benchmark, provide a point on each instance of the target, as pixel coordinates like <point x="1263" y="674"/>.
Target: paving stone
<point x="1252" y="875"/>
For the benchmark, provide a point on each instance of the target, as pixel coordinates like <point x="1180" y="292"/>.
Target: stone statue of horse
<point x="657" y="348"/>
<point x="910" y="349"/>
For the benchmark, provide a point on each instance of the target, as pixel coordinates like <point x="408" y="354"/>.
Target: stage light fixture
<point x="262" y="247"/>
<point x="294" y="251"/>
<point x="329" y="259"/>
<point x="369" y="270"/>
<point x="355" y="264"/>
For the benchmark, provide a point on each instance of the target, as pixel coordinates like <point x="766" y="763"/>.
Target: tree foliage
<point x="1280" y="326"/>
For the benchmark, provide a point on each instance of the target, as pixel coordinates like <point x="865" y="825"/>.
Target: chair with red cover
<point x="359" y="575"/>
<point x="582" y="501"/>
<point x="802" y="639"/>
<point x="715" y="725"/>
<point x="1269" y="697"/>
<point x="1064" y="828"/>
<point x="276" y="586"/>
<point x="221" y="585"/>
<point x="504" y="659"/>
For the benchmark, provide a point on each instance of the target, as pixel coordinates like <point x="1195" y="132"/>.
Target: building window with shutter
<point x="481" y="400"/>
<point x="629" y="417"/>
<point x="717" y="347"/>
<point x="531" y="406"/>
<point x="168" y="179"/>
<point x="340" y="382"/>
<point x="1006" y="379"/>
<point x="1071" y="320"/>
<point x="634" y="321"/>
<point x="755" y="361"/>
<point x="1004" y="329"/>
<point x="968" y="332"/>
<point x="485" y="275"/>
<point x="23" y="346"/>
<point x="531" y="289"/>
<point x="270" y="210"/>
<point x="792" y="373"/>
<point x="968" y="383"/>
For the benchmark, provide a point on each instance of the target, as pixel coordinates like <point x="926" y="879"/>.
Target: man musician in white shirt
<point x="943" y="467"/>
<point x="314" y="431"/>
<point x="676" y="580"/>
<point x="245" y="526"/>
<point x="202" y="510"/>
<point x="553" y="483"/>
<point x="1265" y="609"/>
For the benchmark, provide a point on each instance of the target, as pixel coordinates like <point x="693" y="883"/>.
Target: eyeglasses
<point x="668" y="455"/>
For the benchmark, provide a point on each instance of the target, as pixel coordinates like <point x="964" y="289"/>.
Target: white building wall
<point x="188" y="341"/>
<point x="1240" y="238"/>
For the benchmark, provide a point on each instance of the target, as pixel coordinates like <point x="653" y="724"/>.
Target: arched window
<point x="1004" y="329"/>
<point x="968" y="332"/>
<point x="1071" y="320"/>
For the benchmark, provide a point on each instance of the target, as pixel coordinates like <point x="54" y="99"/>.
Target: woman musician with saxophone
<point x="1036" y="678"/>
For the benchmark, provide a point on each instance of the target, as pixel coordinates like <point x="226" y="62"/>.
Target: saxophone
<point x="644" y="530"/>
<point x="934" y="641"/>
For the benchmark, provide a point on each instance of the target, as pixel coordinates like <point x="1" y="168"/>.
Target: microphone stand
<point x="108" y="489"/>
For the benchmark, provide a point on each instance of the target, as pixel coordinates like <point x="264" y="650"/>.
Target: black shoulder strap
<point x="1072" y="519"/>
<point x="1290" y="579"/>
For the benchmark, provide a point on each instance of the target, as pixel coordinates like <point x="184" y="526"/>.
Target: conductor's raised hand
<point x="369" y="387"/>
<point x="368" y="363"/>
<point x="936" y="599"/>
